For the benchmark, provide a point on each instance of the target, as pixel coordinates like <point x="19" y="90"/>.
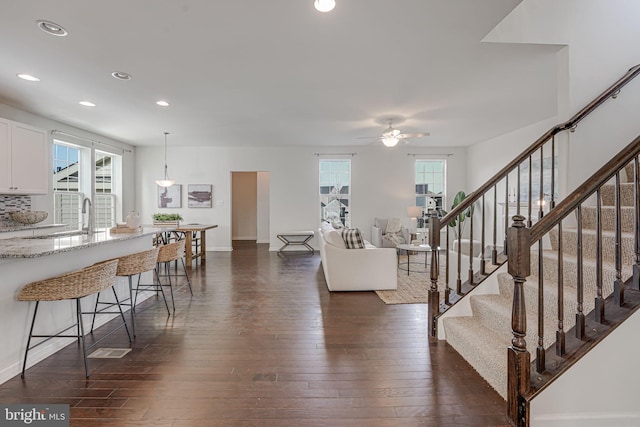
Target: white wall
<point x="45" y="202"/>
<point x="603" y="40"/>
<point x="382" y="183"/>
<point x="263" y="207"/>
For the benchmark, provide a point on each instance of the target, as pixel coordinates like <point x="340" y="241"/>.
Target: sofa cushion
<point x="352" y="238"/>
<point x="332" y="237"/>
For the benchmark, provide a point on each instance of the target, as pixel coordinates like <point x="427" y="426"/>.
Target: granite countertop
<point x="21" y="227"/>
<point x="37" y="246"/>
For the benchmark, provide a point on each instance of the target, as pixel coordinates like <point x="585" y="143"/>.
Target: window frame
<point x="336" y="192"/>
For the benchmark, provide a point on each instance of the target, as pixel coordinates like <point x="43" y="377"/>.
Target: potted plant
<point x="459" y="197"/>
<point x="166" y="219"/>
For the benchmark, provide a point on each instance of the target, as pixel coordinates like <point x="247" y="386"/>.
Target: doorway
<point x="250" y="206"/>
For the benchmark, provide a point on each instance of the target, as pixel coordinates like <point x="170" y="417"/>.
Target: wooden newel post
<point x="519" y="359"/>
<point x="434" y="295"/>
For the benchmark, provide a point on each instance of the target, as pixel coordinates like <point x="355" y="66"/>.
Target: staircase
<point x="522" y="323"/>
<point x="483" y="337"/>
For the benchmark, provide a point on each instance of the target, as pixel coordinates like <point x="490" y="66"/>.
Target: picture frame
<point x="170" y="197"/>
<point x="200" y="196"/>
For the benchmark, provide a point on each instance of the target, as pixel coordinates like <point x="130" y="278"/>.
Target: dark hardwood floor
<point x="263" y="343"/>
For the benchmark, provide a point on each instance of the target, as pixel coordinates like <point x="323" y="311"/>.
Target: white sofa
<point x="367" y="269"/>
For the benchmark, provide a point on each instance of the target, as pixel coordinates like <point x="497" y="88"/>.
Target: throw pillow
<point x="352" y="238"/>
<point x="393" y="226"/>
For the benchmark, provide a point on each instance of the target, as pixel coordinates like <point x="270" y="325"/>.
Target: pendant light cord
<point x="166" y="175"/>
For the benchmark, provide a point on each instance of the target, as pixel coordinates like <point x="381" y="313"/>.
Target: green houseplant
<point x="164" y="218"/>
<point x="459" y="197"/>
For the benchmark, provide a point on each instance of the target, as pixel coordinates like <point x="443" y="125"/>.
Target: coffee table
<point x="412" y="249"/>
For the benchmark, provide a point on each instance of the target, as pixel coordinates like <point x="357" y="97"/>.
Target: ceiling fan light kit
<point x="390" y="141"/>
<point x="324" y="5"/>
<point x="391" y="136"/>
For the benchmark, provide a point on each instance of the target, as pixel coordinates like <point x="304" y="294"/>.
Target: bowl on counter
<point x="29" y="217"/>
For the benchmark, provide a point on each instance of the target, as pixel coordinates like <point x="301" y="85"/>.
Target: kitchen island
<point x="27" y="259"/>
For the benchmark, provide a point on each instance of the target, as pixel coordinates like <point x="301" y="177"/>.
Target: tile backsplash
<point x="12" y="203"/>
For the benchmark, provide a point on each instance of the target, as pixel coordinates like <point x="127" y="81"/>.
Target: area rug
<point x="412" y="288"/>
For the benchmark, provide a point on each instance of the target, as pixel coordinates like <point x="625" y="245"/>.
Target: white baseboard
<point x="593" y="419"/>
<point x="263" y="241"/>
<point x="219" y="249"/>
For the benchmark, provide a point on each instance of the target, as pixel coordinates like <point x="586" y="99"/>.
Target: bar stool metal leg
<point x="33" y="322"/>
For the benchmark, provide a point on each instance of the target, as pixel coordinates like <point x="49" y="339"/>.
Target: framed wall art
<point x="200" y="195"/>
<point x="170" y="197"/>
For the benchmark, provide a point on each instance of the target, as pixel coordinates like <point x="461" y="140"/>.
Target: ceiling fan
<point x="391" y="136"/>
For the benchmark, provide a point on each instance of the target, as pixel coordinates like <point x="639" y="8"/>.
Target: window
<point x="74" y="179"/>
<point x="66" y="184"/>
<point x="335" y="191"/>
<point x="430" y="186"/>
<point x="104" y="202"/>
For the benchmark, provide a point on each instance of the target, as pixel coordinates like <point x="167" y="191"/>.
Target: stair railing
<point x="506" y="189"/>
<point x="523" y="241"/>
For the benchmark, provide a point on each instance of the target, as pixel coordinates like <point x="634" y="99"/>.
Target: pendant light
<point x="166" y="182"/>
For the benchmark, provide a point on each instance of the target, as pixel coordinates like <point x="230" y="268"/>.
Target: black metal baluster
<point x="494" y="251"/>
<point x="541" y="188"/>
<point x="618" y="286"/>
<point x="540" y="351"/>
<point x="506" y="212"/>
<point x="580" y="279"/>
<point x="470" y="210"/>
<point x="636" y="224"/>
<point x="529" y="198"/>
<point x="552" y="202"/>
<point x="560" y="333"/>
<point x="518" y="193"/>
<point x="599" y="302"/>
<point x="483" y="270"/>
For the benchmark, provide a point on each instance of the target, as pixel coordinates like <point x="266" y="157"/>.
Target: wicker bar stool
<point x="168" y="254"/>
<point x="71" y="286"/>
<point x="129" y="266"/>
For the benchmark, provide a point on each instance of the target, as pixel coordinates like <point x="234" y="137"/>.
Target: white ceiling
<point x="276" y="72"/>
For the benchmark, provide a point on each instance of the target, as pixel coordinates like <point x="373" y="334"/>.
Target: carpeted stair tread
<point x="570" y="270"/>
<point x="607" y="194"/>
<point x="607" y="218"/>
<point x="570" y="244"/>
<point x="485" y="350"/>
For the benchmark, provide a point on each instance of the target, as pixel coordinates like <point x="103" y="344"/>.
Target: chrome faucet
<point x="85" y="210"/>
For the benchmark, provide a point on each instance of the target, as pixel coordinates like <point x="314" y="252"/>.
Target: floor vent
<point x="109" y="353"/>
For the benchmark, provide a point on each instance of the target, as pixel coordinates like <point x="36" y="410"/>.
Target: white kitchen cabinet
<point x="24" y="159"/>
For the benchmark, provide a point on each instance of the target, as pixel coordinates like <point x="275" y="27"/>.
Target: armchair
<point x="387" y="233"/>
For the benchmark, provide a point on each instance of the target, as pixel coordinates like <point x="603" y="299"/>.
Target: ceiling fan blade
<point x="368" y="137"/>
<point x="413" y="135"/>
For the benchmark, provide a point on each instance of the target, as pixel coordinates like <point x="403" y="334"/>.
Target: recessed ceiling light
<point x="121" y="75"/>
<point x="29" y="77"/>
<point x="163" y="103"/>
<point x="87" y="103"/>
<point x="51" y="28"/>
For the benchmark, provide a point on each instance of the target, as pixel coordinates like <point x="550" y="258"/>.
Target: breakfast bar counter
<point x="28" y="259"/>
<point x="43" y="245"/>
